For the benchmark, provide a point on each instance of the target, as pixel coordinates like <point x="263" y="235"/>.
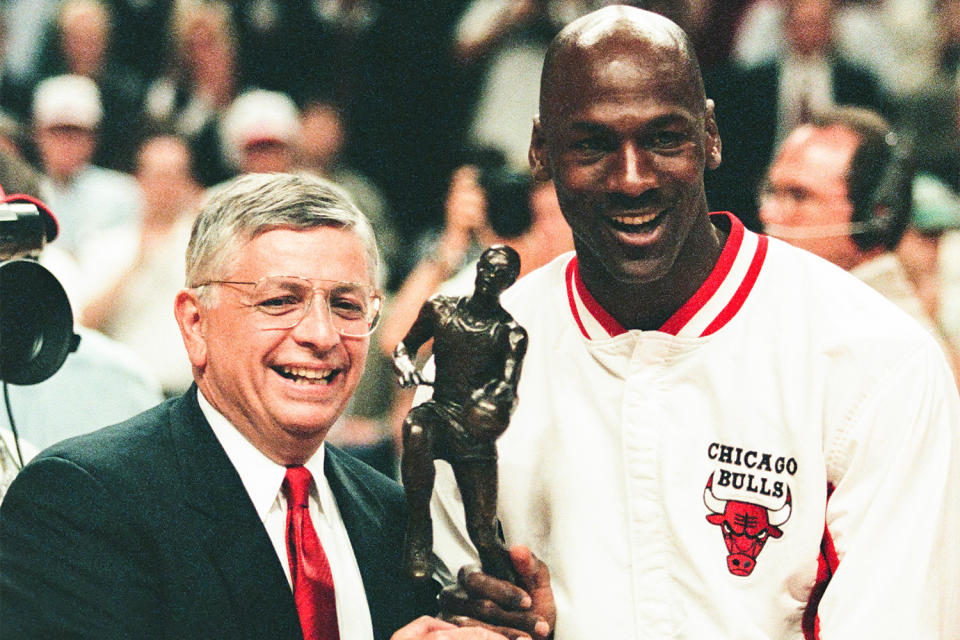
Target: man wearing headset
<point x="840" y="187"/>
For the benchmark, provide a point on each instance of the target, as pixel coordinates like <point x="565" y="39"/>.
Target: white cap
<point x="67" y="100"/>
<point x="258" y="116"/>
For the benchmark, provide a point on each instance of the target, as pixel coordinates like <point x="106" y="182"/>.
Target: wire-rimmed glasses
<point x="281" y="302"/>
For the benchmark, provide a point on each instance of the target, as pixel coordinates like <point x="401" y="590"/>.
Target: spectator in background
<point x="142" y="263"/>
<point x="16" y="171"/>
<point x="495" y="205"/>
<point x="79" y="44"/>
<point x="264" y="131"/>
<point x="931" y="118"/>
<point x="202" y="78"/>
<point x="838" y="189"/>
<point x="87" y="199"/>
<point x="259" y="131"/>
<point x="759" y="105"/>
<point x="22" y="45"/>
<point x="895" y="39"/>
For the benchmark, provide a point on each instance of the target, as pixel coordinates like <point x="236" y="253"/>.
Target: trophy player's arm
<point x="406" y="350"/>
<point x="492" y="404"/>
<point x="517" y="341"/>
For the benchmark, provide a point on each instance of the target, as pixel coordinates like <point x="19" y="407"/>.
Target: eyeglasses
<point x="795" y="196"/>
<point x="283" y="301"/>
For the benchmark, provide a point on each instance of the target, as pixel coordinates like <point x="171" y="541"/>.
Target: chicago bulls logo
<point x="745" y="526"/>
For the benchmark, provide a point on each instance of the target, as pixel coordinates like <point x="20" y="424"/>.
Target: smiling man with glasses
<point x="354" y="307"/>
<point x="222" y="513"/>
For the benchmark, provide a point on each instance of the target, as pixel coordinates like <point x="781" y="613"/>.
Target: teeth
<point x="635" y="220"/>
<point x="309" y="374"/>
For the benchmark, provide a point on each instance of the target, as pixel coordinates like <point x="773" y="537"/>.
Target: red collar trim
<point x="595" y="314"/>
<point x="713" y="305"/>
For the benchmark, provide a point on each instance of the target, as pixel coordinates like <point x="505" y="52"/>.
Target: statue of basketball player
<point x="478" y="349"/>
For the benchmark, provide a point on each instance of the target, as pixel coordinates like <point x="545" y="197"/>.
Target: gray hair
<point x="252" y="204"/>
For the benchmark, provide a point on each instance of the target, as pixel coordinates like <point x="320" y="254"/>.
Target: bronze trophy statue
<point x="478" y="349"/>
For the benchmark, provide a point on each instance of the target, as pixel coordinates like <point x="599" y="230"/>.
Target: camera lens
<point x="36" y="323"/>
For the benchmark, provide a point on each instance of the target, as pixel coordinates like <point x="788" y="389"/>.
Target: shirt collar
<point x="717" y="300"/>
<point x="261" y="476"/>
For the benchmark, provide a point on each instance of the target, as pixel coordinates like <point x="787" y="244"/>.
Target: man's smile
<point x="306" y="375"/>
<point x="635" y="222"/>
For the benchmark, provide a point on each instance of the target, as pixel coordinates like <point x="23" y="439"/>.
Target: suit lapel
<point x="229" y="527"/>
<point x="375" y="519"/>
<point x="363" y="516"/>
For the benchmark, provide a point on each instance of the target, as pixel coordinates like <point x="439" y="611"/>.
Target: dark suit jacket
<point x="746" y="110"/>
<point x="144" y="530"/>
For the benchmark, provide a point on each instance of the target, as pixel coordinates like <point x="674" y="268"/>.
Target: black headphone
<point x="880" y="184"/>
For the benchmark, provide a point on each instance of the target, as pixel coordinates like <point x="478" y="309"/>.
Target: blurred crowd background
<point x="121" y="113"/>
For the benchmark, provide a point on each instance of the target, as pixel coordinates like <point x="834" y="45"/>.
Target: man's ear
<point x="713" y="145"/>
<point x="537" y="155"/>
<point x="190" y="318"/>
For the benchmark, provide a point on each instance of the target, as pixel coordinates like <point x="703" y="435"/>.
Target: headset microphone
<point x="799" y="232"/>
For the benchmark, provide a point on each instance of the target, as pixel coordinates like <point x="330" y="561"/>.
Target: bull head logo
<point x="746" y="527"/>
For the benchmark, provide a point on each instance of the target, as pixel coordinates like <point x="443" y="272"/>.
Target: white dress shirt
<point x="263" y="480"/>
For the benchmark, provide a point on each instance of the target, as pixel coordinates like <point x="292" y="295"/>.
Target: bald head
<point x="626" y="133"/>
<point x="594" y="43"/>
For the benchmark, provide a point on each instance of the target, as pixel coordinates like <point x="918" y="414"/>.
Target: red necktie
<point x="309" y="568"/>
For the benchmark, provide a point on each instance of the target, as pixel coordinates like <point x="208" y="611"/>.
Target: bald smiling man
<point x="717" y="435"/>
